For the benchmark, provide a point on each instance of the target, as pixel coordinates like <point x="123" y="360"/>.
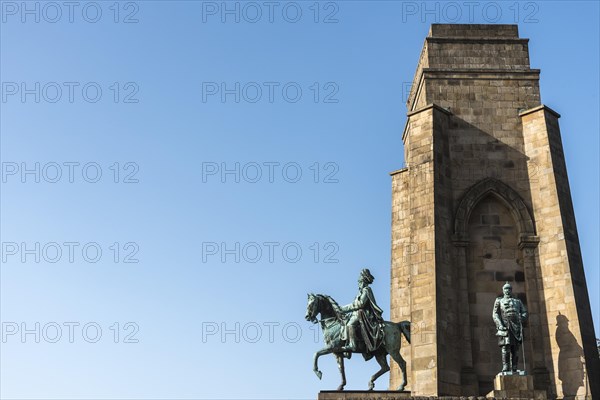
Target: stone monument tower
<point x="484" y="199"/>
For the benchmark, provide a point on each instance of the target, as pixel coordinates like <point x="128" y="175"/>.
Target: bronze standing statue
<point x="509" y="314"/>
<point x="358" y="328"/>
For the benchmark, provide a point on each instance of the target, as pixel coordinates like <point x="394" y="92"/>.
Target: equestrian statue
<point x="358" y="328"/>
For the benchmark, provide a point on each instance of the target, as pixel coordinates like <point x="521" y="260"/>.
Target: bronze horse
<point x="333" y="321"/>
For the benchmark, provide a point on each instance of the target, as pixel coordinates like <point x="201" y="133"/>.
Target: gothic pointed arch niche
<point x="505" y="194"/>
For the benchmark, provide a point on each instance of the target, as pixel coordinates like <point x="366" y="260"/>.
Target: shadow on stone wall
<point x="570" y="364"/>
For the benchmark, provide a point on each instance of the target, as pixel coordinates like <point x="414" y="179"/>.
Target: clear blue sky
<point x="165" y="124"/>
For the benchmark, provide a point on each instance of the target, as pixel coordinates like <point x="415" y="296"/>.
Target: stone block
<point x="363" y="395"/>
<point x="513" y="382"/>
<point x="516" y="386"/>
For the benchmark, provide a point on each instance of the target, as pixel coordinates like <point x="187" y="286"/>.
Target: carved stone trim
<point x="460" y="241"/>
<point x="507" y="195"/>
<point x="527" y="241"/>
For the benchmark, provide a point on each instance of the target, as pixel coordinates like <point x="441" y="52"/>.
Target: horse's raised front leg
<point x="318" y="354"/>
<point x="382" y="360"/>
<point x="340" y="362"/>
<point x="402" y="364"/>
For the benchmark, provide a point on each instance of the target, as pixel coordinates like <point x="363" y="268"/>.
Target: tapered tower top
<point x="471" y="52"/>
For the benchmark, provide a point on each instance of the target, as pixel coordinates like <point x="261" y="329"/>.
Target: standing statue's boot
<point x="505" y="359"/>
<point x="515" y="360"/>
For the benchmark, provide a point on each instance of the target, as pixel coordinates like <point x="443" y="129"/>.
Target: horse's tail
<point x="405" y="329"/>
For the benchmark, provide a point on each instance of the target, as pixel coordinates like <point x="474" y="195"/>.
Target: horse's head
<point x="312" y="308"/>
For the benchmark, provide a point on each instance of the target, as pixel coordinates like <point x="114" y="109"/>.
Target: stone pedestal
<point x="363" y="395"/>
<point x="515" y="386"/>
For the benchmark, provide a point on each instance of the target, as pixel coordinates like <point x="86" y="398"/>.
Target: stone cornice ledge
<point x="398" y="171"/>
<point x="538" y="108"/>
<point x="527" y="72"/>
<point x="507" y="40"/>
<point x="425" y="108"/>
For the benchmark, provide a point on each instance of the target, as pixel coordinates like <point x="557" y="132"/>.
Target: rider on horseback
<point x="381" y="337"/>
<point x="366" y="314"/>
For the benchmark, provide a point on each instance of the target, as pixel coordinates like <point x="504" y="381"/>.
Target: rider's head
<point x="365" y="277"/>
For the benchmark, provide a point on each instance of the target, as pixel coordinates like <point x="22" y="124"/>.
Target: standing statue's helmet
<point x="507" y="285"/>
<point x="366" y="276"/>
